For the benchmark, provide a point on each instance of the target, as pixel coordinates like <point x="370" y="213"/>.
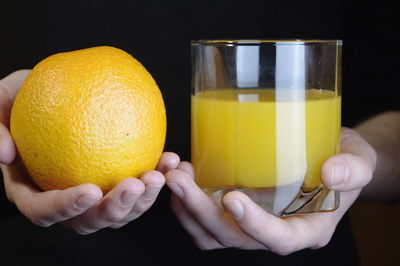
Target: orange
<point x="88" y="116"/>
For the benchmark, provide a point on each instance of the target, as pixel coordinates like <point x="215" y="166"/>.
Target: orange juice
<point x="263" y="138"/>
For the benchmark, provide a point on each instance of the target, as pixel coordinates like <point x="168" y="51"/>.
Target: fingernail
<point x="176" y="189"/>
<point x="85" y="202"/>
<point x="236" y="208"/>
<point x="339" y="175"/>
<point x="128" y="198"/>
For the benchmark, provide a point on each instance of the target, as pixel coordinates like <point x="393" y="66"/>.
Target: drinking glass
<point x="265" y="115"/>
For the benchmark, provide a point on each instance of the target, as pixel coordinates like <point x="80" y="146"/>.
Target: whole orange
<point x="88" y="116"/>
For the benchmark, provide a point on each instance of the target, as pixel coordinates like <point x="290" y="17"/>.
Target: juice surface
<point x="263" y="138"/>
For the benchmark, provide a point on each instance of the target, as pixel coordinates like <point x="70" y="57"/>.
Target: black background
<point x="158" y="34"/>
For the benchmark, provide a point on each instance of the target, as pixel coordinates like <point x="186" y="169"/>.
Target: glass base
<point x="284" y="200"/>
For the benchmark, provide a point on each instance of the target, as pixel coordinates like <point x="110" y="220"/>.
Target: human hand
<point x="245" y="225"/>
<point x="82" y="208"/>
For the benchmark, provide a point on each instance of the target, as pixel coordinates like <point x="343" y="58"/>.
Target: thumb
<point x="7" y="147"/>
<point x="353" y="168"/>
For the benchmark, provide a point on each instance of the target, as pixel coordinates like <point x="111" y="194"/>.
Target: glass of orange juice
<point x="265" y="116"/>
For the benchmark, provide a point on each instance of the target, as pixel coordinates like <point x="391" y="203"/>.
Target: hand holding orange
<point x="88" y="116"/>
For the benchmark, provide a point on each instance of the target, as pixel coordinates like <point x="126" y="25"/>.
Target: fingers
<point x="187" y="168"/>
<point x="203" y="239"/>
<point x="126" y="202"/>
<point x="245" y="225"/>
<point x="346" y="172"/>
<point x="82" y="208"/>
<point x="153" y="182"/>
<point x="111" y="209"/>
<point x="281" y="236"/>
<point x="353" y="168"/>
<point x="168" y="160"/>
<point x="50" y="207"/>
<point x="289" y="234"/>
<point x="204" y="210"/>
<point x="7" y="147"/>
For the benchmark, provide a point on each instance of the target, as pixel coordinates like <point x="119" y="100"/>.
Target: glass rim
<point x="250" y="42"/>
